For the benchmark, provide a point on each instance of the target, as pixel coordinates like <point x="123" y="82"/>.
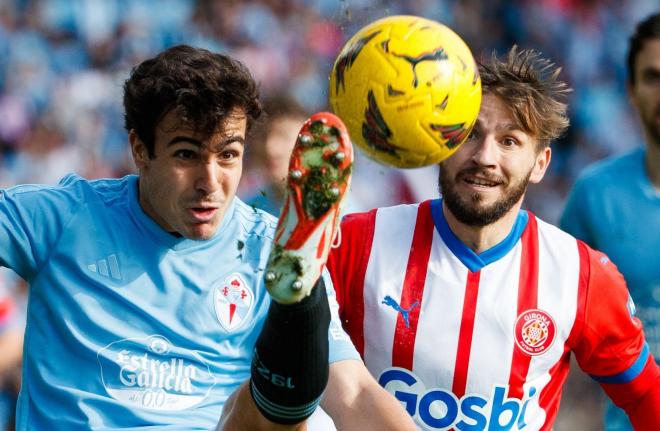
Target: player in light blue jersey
<point x="147" y="298"/>
<point x="615" y="204"/>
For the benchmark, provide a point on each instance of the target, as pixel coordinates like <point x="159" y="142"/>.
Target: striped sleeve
<point x="612" y="348"/>
<point x="347" y="265"/>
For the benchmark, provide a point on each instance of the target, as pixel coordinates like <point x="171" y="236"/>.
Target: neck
<point x="482" y="238"/>
<point x="652" y="163"/>
<point x="278" y="189"/>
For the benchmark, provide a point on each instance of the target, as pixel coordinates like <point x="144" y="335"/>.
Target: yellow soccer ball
<point x="408" y="90"/>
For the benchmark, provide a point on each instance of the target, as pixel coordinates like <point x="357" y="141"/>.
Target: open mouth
<point x="202" y="214"/>
<point x="481" y="182"/>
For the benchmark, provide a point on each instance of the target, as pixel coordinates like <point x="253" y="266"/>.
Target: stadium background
<point x="63" y="62"/>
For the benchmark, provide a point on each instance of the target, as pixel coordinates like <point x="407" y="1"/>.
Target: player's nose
<point x="485" y="151"/>
<point x="208" y="177"/>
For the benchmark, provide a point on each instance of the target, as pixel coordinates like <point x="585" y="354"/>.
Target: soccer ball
<point x="408" y="90"/>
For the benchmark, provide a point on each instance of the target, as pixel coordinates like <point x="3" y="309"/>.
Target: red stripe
<point x="576" y="330"/>
<point x="551" y="393"/>
<point x="413" y="288"/>
<point x="321" y="246"/>
<point x="465" y="334"/>
<point x="528" y="293"/>
<point x="232" y="310"/>
<point x="355" y="321"/>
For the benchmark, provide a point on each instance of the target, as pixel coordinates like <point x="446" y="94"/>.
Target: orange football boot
<point x="319" y="177"/>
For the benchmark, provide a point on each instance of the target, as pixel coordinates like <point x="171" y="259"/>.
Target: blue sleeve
<point x="340" y="344"/>
<point x="31" y="221"/>
<point x="574" y="219"/>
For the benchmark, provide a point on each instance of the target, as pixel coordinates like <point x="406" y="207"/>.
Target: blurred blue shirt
<point x="614" y="208"/>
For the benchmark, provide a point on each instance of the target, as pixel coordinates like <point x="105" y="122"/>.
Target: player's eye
<point x="185" y="154"/>
<point x="229" y="155"/>
<point x="509" y="142"/>
<point x="651" y="77"/>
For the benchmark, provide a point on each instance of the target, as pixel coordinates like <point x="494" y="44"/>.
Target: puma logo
<point x="405" y="312"/>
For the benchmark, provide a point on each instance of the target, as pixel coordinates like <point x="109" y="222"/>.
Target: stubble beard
<point x="469" y="209"/>
<point x="653" y="131"/>
<point x="650" y="125"/>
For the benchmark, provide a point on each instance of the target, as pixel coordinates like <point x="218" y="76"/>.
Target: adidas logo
<point x="108" y="267"/>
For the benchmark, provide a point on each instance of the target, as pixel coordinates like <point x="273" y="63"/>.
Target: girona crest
<point x="535" y="332"/>
<point x="233" y="301"/>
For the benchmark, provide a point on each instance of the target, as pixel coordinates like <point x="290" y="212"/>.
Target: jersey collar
<point x="473" y="261"/>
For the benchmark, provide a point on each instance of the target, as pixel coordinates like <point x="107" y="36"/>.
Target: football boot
<point x="318" y="180"/>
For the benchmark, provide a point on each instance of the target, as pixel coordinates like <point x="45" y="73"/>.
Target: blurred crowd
<point x="63" y="63"/>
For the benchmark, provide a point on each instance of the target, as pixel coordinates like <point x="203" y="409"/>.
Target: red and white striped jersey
<point x="482" y="341"/>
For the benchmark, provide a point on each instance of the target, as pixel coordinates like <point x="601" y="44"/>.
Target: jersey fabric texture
<point x="129" y="326"/>
<point x="482" y="341"/>
<point x="264" y="200"/>
<point x="613" y="207"/>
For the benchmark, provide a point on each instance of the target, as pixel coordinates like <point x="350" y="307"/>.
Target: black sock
<point x="290" y="363"/>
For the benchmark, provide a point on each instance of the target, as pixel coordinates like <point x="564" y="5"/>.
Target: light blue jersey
<point x="614" y="208"/>
<point x="265" y="200"/>
<point x="129" y="326"/>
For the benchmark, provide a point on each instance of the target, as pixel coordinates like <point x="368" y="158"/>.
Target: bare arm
<point x="240" y="413"/>
<point x="355" y="401"/>
<point x="11" y="346"/>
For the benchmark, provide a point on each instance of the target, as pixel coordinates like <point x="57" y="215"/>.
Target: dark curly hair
<point x="645" y="31"/>
<point x="202" y="87"/>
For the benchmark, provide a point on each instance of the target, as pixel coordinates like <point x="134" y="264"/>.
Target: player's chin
<point x="201" y="231"/>
<point x="483" y="201"/>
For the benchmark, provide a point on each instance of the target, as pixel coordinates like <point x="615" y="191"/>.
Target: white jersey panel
<point x="440" y="318"/>
<point x="492" y="339"/>
<point x="385" y="274"/>
<point x="559" y="273"/>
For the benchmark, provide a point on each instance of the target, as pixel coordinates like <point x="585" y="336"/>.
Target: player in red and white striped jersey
<point x="467" y="308"/>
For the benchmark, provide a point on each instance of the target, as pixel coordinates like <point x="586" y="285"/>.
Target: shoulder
<point x="549" y="230"/>
<point x="595" y="199"/>
<point x="71" y="189"/>
<point x="358" y="220"/>
<point x="59" y="202"/>
<point x="359" y="230"/>
<point x="254" y="220"/>
<point x="560" y="251"/>
<point x="589" y="256"/>
<point x="602" y="271"/>
<point x="612" y="169"/>
<point x="391" y="215"/>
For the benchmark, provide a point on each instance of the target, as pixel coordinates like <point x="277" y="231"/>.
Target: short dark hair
<point x="281" y="105"/>
<point x="201" y="86"/>
<point x="646" y="30"/>
<point x="530" y="85"/>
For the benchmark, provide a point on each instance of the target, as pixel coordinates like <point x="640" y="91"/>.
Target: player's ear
<point x="138" y="149"/>
<point x="540" y="165"/>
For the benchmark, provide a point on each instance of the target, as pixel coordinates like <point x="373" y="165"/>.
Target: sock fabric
<point x="290" y="363"/>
